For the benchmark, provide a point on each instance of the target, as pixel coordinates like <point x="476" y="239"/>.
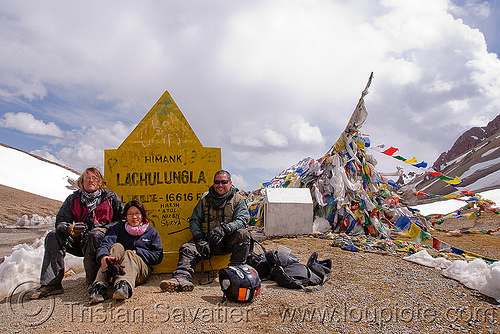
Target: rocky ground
<point x="366" y="293"/>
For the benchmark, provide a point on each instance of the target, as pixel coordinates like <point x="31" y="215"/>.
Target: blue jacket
<point x="147" y="246"/>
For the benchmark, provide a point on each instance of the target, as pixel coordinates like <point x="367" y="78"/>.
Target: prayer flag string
<point x="454" y="181"/>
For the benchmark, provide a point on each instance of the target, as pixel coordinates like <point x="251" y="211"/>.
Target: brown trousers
<point x="136" y="270"/>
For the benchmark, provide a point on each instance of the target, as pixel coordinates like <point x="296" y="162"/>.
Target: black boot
<point x="123" y="290"/>
<point x="98" y="291"/>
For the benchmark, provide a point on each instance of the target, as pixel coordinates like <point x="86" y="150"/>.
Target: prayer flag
<point x="391" y="150"/>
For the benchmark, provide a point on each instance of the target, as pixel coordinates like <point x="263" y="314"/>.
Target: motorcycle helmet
<point x="239" y="283"/>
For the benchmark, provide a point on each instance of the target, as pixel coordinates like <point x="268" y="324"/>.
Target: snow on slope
<point x="22" y="171"/>
<point x="490" y="180"/>
<point x="450" y="205"/>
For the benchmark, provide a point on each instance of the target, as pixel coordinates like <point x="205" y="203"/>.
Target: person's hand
<point x="215" y="236"/>
<point x="203" y="248"/>
<point x="114" y="267"/>
<point x="104" y="262"/>
<point x="76" y="229"/>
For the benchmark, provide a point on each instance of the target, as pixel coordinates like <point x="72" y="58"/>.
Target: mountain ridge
<point x="474" y="158"/>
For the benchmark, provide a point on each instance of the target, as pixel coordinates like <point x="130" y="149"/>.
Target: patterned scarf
<point x="219" y="201"/>
<point x="136" y="230"/>
<point x="91" y="200"/>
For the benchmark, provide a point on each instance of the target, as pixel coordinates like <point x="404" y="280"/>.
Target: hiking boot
<point x="98" y="291"/>
<point x="46" y="290"/>
<point x="177" y="283"/>
<point x="123" y="290"/>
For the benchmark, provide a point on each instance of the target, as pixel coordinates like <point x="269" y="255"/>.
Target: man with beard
<point x="218" y="225"/>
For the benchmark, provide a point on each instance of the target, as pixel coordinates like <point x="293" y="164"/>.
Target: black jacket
<point x="111" y="208"/>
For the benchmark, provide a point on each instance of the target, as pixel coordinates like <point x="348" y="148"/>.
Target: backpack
<point x="300" y="276"/>
<point x="277" y="259"/>
<point x="267" y="262"/>
<point x="257" y="259"/>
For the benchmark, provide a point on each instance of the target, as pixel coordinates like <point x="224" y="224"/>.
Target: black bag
<point x="296" y="276"/>
<point x="320" y="268"/>
<point x="277" y="259"/>
<point x="257" y="259"/>
<point x="299" y="276"/>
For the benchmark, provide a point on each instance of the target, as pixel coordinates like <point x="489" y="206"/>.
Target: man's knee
<point x="96" y="235"/>
<point x="93" y="239"/>
<point x="241" y="236"/>
<point x="54" y="242"/>
<point x="188" y="248"/>
<point x="50" y="238"/>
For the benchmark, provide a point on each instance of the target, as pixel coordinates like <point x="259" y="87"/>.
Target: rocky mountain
<point x="474" y="158"/>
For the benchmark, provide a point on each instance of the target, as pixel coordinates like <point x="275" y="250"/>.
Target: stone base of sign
<point x="217" y="261"/>
<point x="170" y="260"/>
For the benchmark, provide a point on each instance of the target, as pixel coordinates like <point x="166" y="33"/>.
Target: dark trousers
<point x="237" y="244"/>
<point x="56" y="246"/>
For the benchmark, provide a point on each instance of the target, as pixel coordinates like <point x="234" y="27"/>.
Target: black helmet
<point x="239" y="283"/>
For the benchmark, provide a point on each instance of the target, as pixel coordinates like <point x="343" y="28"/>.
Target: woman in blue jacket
<point x="127" y="254"/>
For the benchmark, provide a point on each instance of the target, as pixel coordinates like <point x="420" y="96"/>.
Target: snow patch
<point x="423" y="258"/>
<point x="25" y="262"/>
<point x="450" y="205"/>
<point x="480" y="166"/>
<point x="489" y="152"/>
<point x="35" y="221"/>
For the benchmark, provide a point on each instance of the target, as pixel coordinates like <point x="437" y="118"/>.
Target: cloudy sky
<point x="270" y="82"/>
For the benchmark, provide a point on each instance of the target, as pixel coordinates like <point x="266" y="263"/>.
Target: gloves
<point x="215" y="236"/>
<point x="76" y="229"/>
<point x="114" y="267"/>
<point x="203" y="248"/>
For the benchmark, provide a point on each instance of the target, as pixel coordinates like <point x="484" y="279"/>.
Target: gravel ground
<point x="366" y="293"/>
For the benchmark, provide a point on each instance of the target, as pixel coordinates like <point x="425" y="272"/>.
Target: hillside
<point x="474" y="158"/>
<point x="14" y="204"/>
<point x="27" y="172"/>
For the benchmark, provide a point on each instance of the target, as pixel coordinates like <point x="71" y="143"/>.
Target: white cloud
<point x="274" y="139"/>
<point x="270" y="82"/>
<point x="438" y="86"/>
<point x="458" y="106"/>
<point x="303" y="46"/>
<point x="27" y="123"/>
<point x="84" y="147"/>
<point x="400" y="71"/>
<point x="43" y="153"/>
<point x="478" y="121"/>
<point x="477" y="8"/>
<point x="239" y="181"/>
<point x="305" y="133"/>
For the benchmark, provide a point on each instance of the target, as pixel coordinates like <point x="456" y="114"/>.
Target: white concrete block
<point x="288" y="211"/>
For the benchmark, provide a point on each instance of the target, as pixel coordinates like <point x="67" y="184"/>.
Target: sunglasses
<point x="221" y="181"/>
